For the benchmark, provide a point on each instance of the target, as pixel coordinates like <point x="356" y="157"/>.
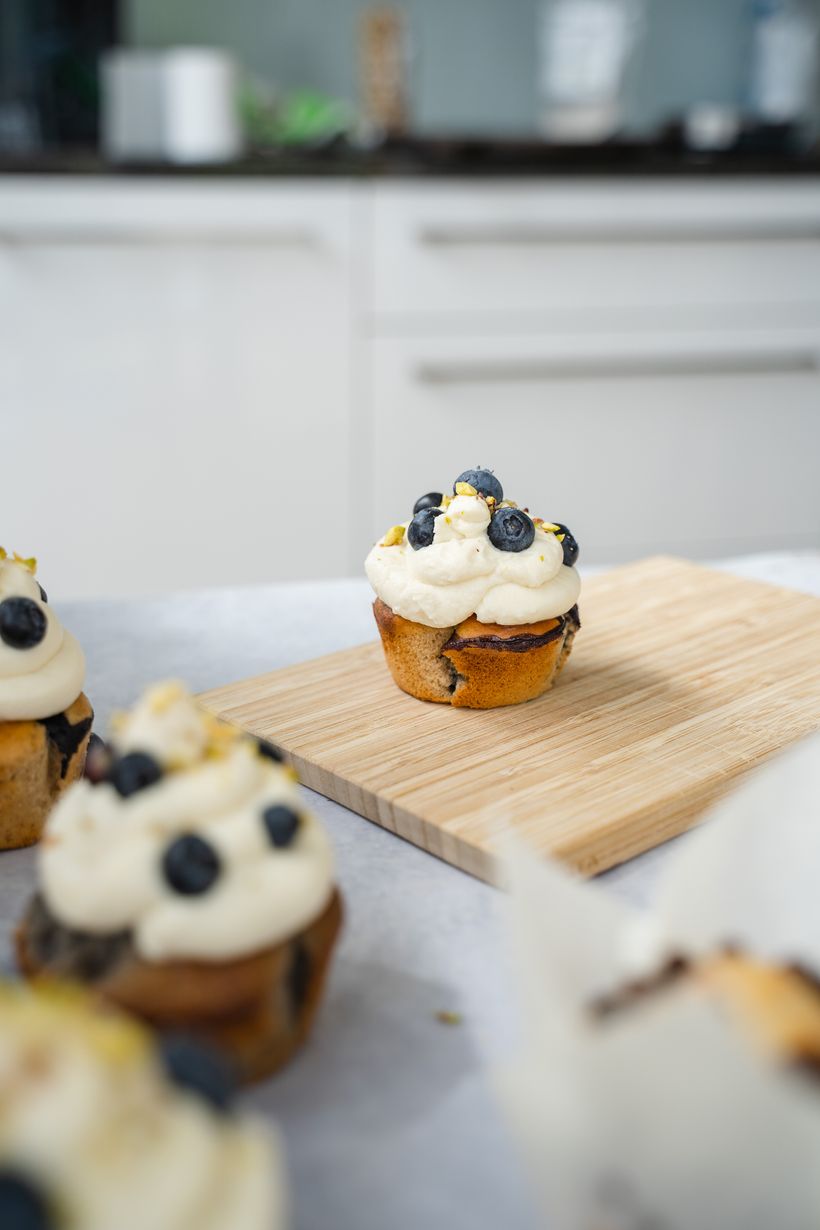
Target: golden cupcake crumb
<point x="445" y="1017"/>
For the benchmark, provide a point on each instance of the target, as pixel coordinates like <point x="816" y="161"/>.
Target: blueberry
<point x="282" y="823"/>
<point x="511" y="530"/>
<point x="569" y="544"/>
<point x="421" y="529"/>
<point x="22" y="623"/>
<point x="22" y="1205"/>
<point x="97" y="760"/>
<point x="190" y="865"/>
<point x="198" y="1068"/>
<point x="43" y="594"/>
<point x="269" y="750"/>
<point x="431" y="500"/>
<point x="132" y="772"/>
<point x="484" y="481"/>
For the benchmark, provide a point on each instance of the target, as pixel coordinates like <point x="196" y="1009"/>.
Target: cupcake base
<point x="38" y="759"/>
<point x="475" y="665"/>
<point x="258" y="1010"/>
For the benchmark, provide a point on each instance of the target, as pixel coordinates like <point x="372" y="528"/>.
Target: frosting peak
<point x="114" y="853"/>
<point x="43" y="677"/>
<point x="461" y="573"/>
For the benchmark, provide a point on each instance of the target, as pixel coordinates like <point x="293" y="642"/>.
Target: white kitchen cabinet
<point x="174" y="371"/>
<point x="228" y="380"/>
<point x="638" y="358"/>
<point x="696" y="443"/>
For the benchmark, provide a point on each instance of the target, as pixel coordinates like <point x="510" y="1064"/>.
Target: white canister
<point x="178" y="105"/>
<point x="201" y="122"/>
<point x="132" y="105"/>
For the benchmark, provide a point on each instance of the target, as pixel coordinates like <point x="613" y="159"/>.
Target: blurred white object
<point x="177" y="106"/>
<point x="585" y="47"/>
<point x="784" y="60"/>
<point x="131" y="119"/>
<point x="666" y="1114"/>
<point x="200" y="113"/>
<point x="711" y="126"/>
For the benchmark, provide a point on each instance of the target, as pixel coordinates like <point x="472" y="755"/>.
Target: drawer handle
<point x="571" y="367"/>
<point x="627" y="232"/>
<point x="127" y="236"/>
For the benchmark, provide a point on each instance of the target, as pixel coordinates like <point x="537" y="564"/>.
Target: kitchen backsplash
<point x="474" y="61"/>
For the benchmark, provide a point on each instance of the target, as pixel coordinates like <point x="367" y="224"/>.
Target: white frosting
<point x="88" y="1116"/>
<point x="101" y="860"/>
<point x="43" y="680"/>
<point x="462" y="574"/>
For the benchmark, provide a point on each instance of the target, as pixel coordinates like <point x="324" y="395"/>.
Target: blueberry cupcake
<point x="476" y="600"/>
<point x="185" y="881"/>
<point x="100" y="1129"/>
<point x="45" y="719"/>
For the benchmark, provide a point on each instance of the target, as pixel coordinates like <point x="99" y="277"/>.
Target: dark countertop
<point x="450" y="157"/>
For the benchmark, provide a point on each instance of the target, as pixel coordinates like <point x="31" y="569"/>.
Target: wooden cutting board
<point x="680" y="679"/>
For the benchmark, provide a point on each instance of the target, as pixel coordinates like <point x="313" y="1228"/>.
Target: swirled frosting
<point x="90" y="1121"/>
<point x="45" y="679"/>
<point x="461" y="573"/>
<point x="101" y="861"/>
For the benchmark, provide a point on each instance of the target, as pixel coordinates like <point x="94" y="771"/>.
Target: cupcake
<point x="100" y="1130"/>
<point x="185" y="881"/>
<point x="476" y="600"/>
<point x="776" y="1007"/>
<point x="45" y="719"/>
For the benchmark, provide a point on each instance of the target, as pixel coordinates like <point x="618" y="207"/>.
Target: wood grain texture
<point x="681" y="678"/>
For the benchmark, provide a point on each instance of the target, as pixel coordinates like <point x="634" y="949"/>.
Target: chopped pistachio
<point x="30" y="563"/>
<point x="3" y="553"/>
<point x="465" y="489"/>
<point x="446" y="501"/>
<point x="393" y="536"/>
<point x="508" y="504"/>
<point x="549" y="527"/>
<point x="164" y="695"/>
<point x="560" y="537"/>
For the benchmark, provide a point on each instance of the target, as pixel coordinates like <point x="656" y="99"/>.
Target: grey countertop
<point x="388" y="1116"/>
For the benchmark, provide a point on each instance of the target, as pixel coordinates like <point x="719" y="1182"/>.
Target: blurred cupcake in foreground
<point x="668" y="1073"/>
<point x="476" y="601"/>
<point x="45" y="720"/>
<point x="99" y="1129"/>
<point x="185" y="881"/>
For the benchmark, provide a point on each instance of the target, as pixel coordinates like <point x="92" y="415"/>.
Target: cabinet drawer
<point x="481" y="248"/>
<point x="692" y="443"/>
